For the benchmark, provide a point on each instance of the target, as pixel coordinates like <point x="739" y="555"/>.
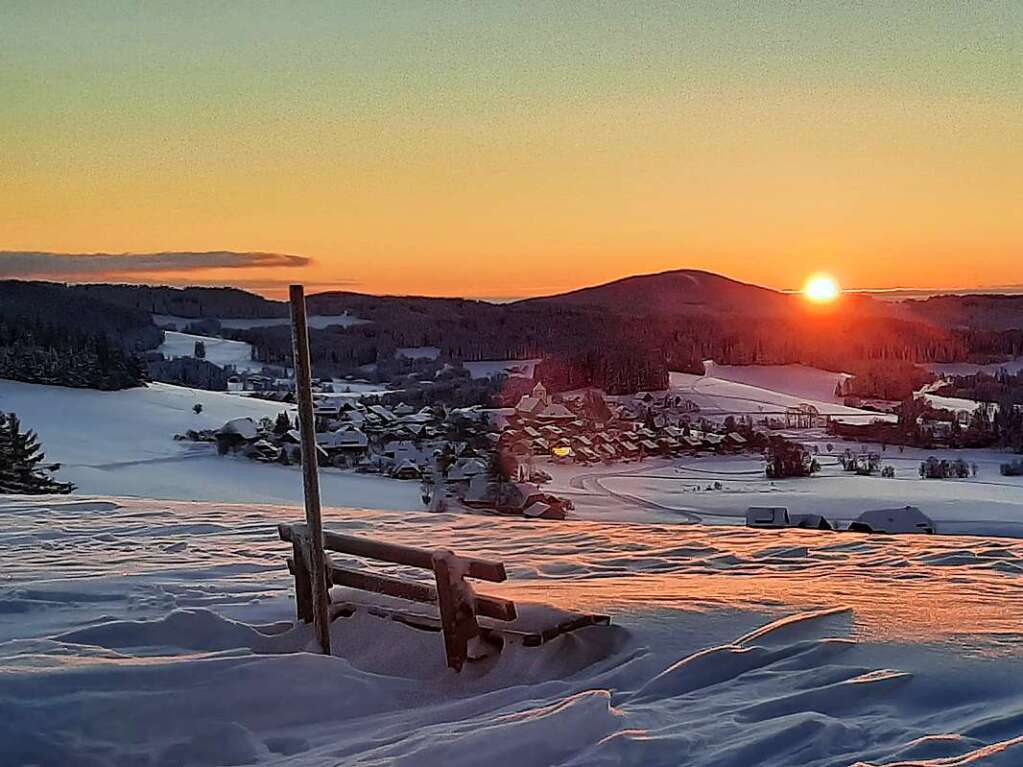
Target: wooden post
<point x="310" y="467"/>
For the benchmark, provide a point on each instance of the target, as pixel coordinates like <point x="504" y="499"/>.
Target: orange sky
<point x="498" y="150"/>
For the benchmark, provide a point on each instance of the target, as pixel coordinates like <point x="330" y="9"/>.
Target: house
<point x="406" y="470"/>
<point x="262" y="451"/>
<point x="326" y="409"/>
<point x="713" y="440"/>
<point x="528" y="405"/>
<point x="382" y="413"/>
<point x="465" y="470"/>
<point x="628" y="449"/>
<point x="244" y="428"/>
<point x="555" y="412"/>
<point x="397" y="452"/>
<point x="348" y="440"/>
<point x="235" y="434"/>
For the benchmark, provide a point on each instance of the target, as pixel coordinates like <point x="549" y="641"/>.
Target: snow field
<point x="164" y="638"/>
<point x="219" y="351"/>
<point x="122" y="444"/>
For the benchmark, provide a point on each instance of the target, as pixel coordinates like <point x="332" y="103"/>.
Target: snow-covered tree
<point x="21" y="457"/>
<point x="282" y="425"/>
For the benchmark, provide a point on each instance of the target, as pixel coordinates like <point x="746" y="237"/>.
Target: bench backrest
<point x="458" y="605"/>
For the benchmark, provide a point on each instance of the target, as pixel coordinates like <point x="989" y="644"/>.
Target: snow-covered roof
<point x="407" y="467"/>
<point x="537" y="509"/>
<point x="344" y="437"/>
<point x="556" y="410"/>
<point x="527" y="404"/>
<point x="244" y="427"/>
<point x="465" y="468"/>
<point x="908" y="519"/>
<point x="382" y="412"/>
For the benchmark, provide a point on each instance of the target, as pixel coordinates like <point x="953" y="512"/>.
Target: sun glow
<point x="821" y="288"/>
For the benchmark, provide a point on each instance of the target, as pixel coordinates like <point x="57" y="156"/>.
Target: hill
<point x="682" y="291"/>
<point x="979" y="312"/>
<point x="50" y="333"/>
<point x="193" y="302"/>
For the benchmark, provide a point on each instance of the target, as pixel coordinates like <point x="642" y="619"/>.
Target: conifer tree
<point x="21" y="457"/>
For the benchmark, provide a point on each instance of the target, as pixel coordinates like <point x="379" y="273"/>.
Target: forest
<point x="51" y="335"/>
<point x="583" y="345"/>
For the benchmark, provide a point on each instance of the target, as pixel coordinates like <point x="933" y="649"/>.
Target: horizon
<point x="279" y="293"/>
<point x="496" y="151"/>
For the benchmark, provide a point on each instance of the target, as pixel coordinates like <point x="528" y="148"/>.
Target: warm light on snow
<point x="821" y="288"/>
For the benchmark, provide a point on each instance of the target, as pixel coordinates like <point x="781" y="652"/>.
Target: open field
<point x="718" y="397"/>
<point x="683" y="491"/>
<point x="219" y="351"/>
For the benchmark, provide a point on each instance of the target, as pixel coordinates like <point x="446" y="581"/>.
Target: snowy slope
<point x="219" y="351"/>
<point x="718" y="396"/>
<point x="122" y="443"/>
<point x="164" y="638"/>
<point x="800" y="381"/>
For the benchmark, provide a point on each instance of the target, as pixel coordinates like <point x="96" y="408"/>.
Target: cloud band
<point x="14" y="263"/>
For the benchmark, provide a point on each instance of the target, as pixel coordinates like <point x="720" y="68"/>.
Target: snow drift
<point x="152" y="633"/>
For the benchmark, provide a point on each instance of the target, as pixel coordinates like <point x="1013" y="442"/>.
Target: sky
<point x="496" y="149"/>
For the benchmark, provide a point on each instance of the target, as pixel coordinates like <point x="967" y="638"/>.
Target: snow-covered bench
<point x="462" y="614"/>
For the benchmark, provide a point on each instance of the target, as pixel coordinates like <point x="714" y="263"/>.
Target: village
<point x="500" y="460"/>
<point x="485" y="458"/>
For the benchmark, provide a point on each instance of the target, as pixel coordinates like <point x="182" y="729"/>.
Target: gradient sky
<point x="509" y="149"/>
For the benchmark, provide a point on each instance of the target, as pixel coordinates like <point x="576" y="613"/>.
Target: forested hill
<point x="629" y="333"/>
<point x="50" y="333"/>
<point x="194" y="302"/>
<point x="979" y="312"/>
<point x="683" y="291"/>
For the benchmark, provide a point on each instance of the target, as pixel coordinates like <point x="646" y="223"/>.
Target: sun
<point x="821" y="288"/>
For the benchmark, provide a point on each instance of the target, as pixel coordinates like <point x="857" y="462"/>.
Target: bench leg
<point x="303" y="582"/>
<point x="457" y="613"/>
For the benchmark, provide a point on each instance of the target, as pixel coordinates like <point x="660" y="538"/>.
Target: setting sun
<point x="821" y="288"/>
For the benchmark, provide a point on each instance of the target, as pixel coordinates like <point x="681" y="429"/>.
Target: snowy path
<point x="156" y="633"/>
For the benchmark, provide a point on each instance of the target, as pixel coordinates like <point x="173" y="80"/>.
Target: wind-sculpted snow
<point x="151" y="633"/>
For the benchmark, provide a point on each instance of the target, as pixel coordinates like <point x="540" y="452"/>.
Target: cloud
<point x="15" y="263"/>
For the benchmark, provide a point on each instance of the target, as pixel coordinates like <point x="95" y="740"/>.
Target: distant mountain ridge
<point x="623" y="335"/>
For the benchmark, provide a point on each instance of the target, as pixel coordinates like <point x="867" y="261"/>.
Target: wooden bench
<point x="462" y="615"/>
